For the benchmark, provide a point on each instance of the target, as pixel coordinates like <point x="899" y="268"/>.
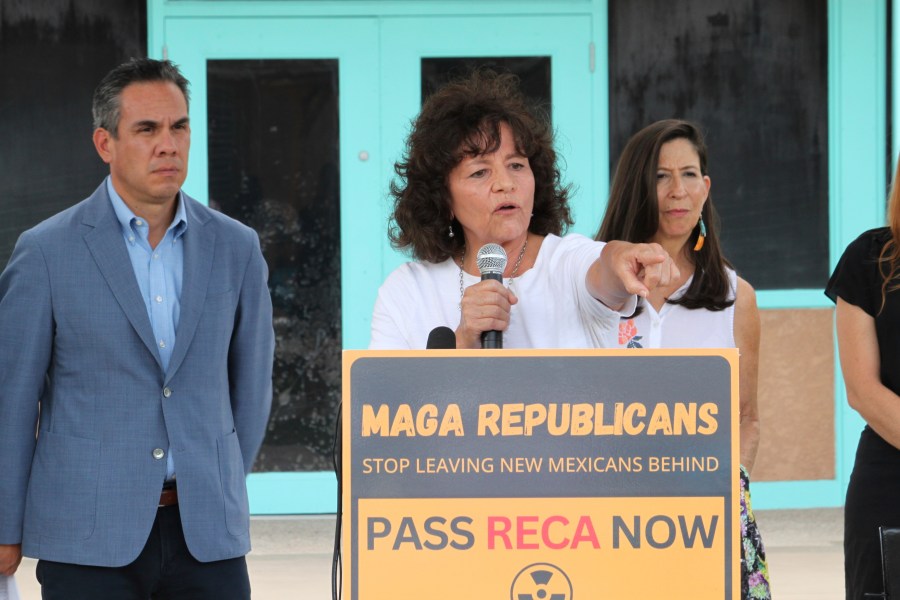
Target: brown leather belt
<point x="168" y="497"/>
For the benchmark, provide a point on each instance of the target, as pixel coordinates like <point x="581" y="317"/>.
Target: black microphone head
<point x="491" y="259"/>
<point x="441" y="338"/>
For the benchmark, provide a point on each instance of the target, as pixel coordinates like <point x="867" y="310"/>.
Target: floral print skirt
<point x="754" y="570"/>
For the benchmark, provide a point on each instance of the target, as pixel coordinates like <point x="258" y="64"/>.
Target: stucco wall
<point x="796" y="396"/>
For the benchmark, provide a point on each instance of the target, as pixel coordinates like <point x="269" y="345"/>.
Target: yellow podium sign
<point x="541" y="475"/>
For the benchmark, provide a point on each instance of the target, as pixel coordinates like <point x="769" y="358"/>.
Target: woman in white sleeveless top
<point x="660" y="193"/>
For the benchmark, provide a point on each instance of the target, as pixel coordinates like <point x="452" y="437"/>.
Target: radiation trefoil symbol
<point x="541" y="581"/>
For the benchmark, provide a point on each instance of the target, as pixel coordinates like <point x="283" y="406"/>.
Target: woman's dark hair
<point x="462" y="119"/>
<point x="632" y="213"/>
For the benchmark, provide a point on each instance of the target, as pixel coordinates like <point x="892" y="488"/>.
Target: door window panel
<point x="533" y="73"/>
<point x="53" y="55"/>
<point x="754" y="75"/>
<point x="274" y="165"/>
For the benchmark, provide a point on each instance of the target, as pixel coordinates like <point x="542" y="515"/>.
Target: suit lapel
<point x="105" y="242"/>
<point x="199" y="248"/>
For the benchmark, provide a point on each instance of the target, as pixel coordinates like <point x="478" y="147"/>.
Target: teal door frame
<point x="376" y="119"/>
<point x="379" y="91"/>
<point x="857" y="84"/>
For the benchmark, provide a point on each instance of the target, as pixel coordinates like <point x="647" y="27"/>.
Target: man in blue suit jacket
<point x="136" y="348"/>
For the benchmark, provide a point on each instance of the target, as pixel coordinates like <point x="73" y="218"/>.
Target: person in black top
<point x="865" y="286"/>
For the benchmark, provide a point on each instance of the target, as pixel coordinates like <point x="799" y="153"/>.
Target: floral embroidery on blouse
<point x="628" y="334"/>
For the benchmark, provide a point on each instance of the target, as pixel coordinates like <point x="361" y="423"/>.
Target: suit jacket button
<point x="167" y="392"/>
<point x="158" y="453"/>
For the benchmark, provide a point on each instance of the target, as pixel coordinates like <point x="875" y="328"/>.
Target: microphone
<point x="491" y="260"/>
<point x="441" y="338"/>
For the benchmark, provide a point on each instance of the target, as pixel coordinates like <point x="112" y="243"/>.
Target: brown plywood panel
<point x="796" y="396"/>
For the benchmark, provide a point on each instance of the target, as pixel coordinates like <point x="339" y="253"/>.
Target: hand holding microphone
<point x="491" y="260"/>
<point x="485" y="306"/>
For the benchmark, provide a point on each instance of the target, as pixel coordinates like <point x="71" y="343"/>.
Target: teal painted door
<point x="379" y="46"/>
<point x="297" y="122"/>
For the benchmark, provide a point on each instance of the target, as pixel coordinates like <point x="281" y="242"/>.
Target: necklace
<point x="509" y="282"/>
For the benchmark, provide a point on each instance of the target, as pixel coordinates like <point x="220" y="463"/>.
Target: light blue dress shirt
<point x="159" y="274"/>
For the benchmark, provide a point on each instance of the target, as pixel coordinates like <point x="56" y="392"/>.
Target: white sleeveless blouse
<point x="675" y="326"/>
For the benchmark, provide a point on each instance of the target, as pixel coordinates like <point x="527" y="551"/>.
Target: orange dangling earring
<point x="702" y="237"/>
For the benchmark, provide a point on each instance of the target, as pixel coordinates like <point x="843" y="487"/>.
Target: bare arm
<point x="861" y="365"/>
<point x="626" y="269"/>
<point x="746" y="338"/>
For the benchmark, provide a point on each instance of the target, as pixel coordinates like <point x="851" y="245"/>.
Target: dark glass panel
<point x="533" y="73"/>
<point x="53" y="54"/>
<point x="274" y="164"/>
<point x="755" y="76"/>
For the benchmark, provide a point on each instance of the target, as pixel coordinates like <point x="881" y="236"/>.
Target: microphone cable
<point x="336" y="459"/>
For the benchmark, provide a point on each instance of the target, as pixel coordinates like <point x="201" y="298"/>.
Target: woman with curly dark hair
<point x="480" y="168"/>
<point x="660" y="193"/>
